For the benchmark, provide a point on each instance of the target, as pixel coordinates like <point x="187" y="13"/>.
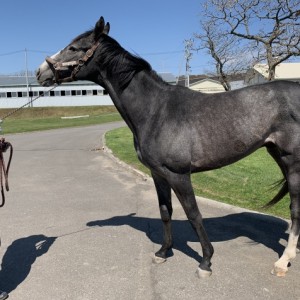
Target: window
<point x="73" y="93"/>
<point x="8" y="94"/>
<point x="2" y="95"/>
<point x="19" y="94"/>
<point x="63" y="93"/>
<point x="51" y="93"/>
<point x="95" y="93"/>
<point x="83" y="92"/>
<point x="57" y="93"/>
<point x="41" y="93"/>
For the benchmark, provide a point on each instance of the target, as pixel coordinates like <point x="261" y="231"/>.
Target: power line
<point x="47" y="52"/>
<point x="12" y="53"/>
<point x="162" y="53"/>
<point x="40" y="51"/>
<point x="24" y="50"/>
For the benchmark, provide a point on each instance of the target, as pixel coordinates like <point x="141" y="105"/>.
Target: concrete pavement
<point x="78" y="225"/>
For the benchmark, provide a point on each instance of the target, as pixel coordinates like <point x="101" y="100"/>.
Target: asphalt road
<point x="78" y="225"/>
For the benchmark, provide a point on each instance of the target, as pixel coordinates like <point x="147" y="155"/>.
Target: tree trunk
<point x="271" y="75"/>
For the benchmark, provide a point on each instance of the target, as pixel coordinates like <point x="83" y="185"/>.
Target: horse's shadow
<point x="262" y="229"/>
<point x="19" y="257"/>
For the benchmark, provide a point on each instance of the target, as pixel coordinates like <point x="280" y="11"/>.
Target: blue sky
<point x="154" y="29"/>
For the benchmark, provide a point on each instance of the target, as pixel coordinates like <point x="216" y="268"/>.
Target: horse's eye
<point x="72" y="48"/>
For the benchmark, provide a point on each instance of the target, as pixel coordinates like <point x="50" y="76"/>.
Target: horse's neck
<point x="139" y="100"/>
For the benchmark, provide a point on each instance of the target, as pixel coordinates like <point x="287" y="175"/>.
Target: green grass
<point x="32" y="119"/>
<point x="247" y="183"/>
<point x="120" y="141"/>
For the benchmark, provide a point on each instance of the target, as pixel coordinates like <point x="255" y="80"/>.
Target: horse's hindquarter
<point x="237" y="123"/>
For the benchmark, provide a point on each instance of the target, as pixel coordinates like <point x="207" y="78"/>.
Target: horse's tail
<point x="282" y="192"/>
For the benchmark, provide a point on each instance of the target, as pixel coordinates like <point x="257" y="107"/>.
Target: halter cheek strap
<point x="56" y="66"/>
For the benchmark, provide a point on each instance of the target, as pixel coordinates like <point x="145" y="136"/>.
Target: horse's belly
<point x="220" y="155"/>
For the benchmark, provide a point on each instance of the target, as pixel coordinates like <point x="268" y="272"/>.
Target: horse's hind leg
<point x="181" y="184"/>
<point x="293" y="177"/>
<point x="163" y="190"/>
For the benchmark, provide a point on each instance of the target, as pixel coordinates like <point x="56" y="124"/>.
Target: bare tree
<point x="271" y="27"/>
<point x="225" y="50"/>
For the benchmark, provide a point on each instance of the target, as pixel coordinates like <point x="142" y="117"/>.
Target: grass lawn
<point x="247" y="183"/>
<point x="39" y="118"/>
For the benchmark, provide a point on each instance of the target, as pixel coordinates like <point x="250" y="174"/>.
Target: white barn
<point x="16" y="91"/>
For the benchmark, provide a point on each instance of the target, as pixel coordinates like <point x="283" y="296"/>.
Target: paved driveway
<point x="78" y="225"/>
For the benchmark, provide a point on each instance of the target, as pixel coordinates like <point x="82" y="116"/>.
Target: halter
<point x="56" y="66"/>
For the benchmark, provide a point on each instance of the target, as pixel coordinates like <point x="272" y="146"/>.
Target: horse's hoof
<point x="3" y="295"/>
<point x="279" y="272"/>
<point x="203" y="273"/>
<point x="158" y="260"/>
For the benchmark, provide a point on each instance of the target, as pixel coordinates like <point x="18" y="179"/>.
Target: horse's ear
<point x="106" y="28"/>
<point x="99" y="28"/>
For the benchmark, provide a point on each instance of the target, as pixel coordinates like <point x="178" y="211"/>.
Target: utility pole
<point x="26" y="75"/>
<point x="188" y="57"/>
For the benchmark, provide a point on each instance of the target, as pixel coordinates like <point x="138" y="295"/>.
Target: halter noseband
<point x="56" y="66"/>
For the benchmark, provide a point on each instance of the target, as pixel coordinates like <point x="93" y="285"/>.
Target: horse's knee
<point x="165" y="213"/>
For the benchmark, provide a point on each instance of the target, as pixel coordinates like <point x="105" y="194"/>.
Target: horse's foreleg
<point x="281" y="266"/>
<point x="181" y="184"/>
<point x="165" y="206"/>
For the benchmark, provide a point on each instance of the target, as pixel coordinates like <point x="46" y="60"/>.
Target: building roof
<point x="15" y="80"/>
<point x="282" y="71"/>
<point x="204" y="80"/>
<point x="11" y="81"/>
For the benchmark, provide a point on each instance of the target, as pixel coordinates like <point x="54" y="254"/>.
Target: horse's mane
<point x="117" y="61"/>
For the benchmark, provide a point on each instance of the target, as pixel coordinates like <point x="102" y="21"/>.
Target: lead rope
<point x="3" y="170"/>
<point x="4" y="147"/>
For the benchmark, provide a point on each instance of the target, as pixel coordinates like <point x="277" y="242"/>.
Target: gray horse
<point x="178" y="131"/>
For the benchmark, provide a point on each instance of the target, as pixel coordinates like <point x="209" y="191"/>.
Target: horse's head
<point x="71" y="63"/>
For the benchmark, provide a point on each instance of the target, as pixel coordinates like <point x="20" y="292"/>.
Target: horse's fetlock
<point x="165" y="217"/>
